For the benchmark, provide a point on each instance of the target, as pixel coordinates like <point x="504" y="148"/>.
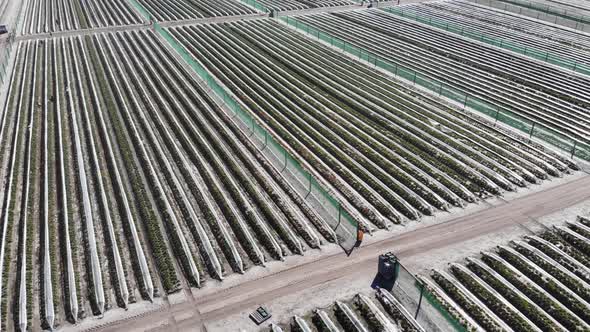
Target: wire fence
<point x="574" y="147"/>
<point x="257" y="5"/>
<point x="502" y="43"/>
<point x="144" y="12"/>
<point x="423" y="305"/>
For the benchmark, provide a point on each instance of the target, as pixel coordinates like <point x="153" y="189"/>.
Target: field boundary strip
<point x="567" y="144"/>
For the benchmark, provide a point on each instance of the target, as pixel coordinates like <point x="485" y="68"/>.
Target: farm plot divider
<point x="345" y="226"/>
<point x="415" y="296"/>
<point x="502" y="43"/>
<point x="256" y="4"/>
<point x="572" y="146"/>
<point x="144" y="12"/>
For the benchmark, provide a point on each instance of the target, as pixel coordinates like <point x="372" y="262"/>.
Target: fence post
<point x="414" y="80"/>
<point x="419" y="301"/>
<point x="574" y="149"/>
<point x="309" y="189"/>
<point x="497" y="113"/>
<point x="465" y="101"/>
<point x="265" y="141"/>
<point x="284" y="167"/>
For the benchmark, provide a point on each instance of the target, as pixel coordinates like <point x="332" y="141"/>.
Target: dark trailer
<point x="3" y="29"/>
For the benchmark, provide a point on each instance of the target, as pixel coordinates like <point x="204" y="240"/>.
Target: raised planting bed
<point x="152" y="187"/>
<point x="375" y="146"/>
<point x="64" y="15"/>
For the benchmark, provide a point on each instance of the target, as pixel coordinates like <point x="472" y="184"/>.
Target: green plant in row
<point x="531" y="312"/>
<point x="490" y="300"/>
<point x="536" y="293"/>
<point x="548" y="284"/>
<point x="479" y="315"/>
<point x="166" y="269"/>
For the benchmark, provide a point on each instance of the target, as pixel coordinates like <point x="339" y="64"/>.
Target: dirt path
<point x="224" y="302"/>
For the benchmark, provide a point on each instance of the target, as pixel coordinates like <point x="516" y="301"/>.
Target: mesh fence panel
<point x="256" y="4"/>
<point x="481" y="106"/>
<point x="141" y="10"/>
<point x="411" y="293"/>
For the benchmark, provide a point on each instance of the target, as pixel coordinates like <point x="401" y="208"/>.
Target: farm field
<point x="118" y="192"/>
<point x="553" y="12"/>
<point x="154" y="152"/>
<point x="555" y="99"/>
<point x="504" y="29"/>
<point x="168" y="10"/>
<point x="536" y="283"/>
<point x="374" y="142"/>
<point x="42" y="16"/>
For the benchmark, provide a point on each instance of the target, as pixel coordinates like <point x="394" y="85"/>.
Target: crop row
<point x="485" y="23"/>
<point x="391" y="157"/>
<point x="44" y="16"/>
<point x="540" y="283"/>
<point x="125" y="179"/>
<point x="169" y="10"/>
<point x="361" y="314"/>
<point x="539" y="92"/>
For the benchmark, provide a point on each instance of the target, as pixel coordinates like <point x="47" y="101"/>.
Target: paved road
<point x="328" y="268"/>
